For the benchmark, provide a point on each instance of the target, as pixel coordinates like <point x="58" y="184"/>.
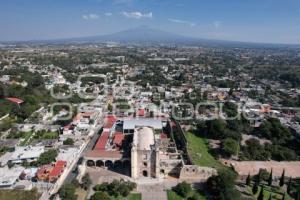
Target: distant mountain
<point x="144" y="34"/>
<point x="139" y="34"/>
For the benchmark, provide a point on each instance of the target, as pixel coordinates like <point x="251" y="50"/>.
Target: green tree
<point x="270" y="197"/>
<point x="68" y="141"/>
<point x="270" y="180"/>
<point x="109" y="107"/>
<point x="222" y="186"/>
<point x="195" y="196"/>
<point x="258" y="177"/>
<point x="183" y="189"/>
<point x="261" y="194"/>
<point x="282" y="179"/>
<point x="255" y="187"/>
<point x="289" y="186"/>
<point x="86" y="181"/>
<point x="229" y="147"/>
<point x="100" y="196"/>
<point x="67" y="192"/>
<point x="298" y="195"/>
<point x="284" y="196"/>
<point x="47" y="157"/>
<point x="248" y="180"/>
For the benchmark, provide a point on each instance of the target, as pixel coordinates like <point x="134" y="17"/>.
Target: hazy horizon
<point x="259" y="21"/>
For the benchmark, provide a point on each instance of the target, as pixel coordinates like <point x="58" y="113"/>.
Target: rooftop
<point x="133" y="123"/>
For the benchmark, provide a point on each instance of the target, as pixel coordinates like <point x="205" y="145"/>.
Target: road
<point x="68" y="174"/>
<point x="74" y="172"/>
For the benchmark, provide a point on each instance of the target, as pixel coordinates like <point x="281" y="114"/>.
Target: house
<point x="27" y="153"/>
<point x="51" y="172"/>
<point x="57" y="170"/>
<point x="9" y="176"/>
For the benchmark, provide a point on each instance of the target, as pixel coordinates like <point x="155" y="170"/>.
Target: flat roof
<point x="27" y="152"/>
<point x="133" y="123"/>
<point x="9" y="176"/>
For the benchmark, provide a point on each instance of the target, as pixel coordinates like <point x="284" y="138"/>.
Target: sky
<point x="267" y="21"/>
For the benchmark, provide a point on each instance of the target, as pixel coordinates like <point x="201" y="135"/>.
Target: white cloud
<point x="137" y="15"/>
<point x="191" y="24"/>
<point x="217" y="24"/>
<point x="90" y="16"/>
<point x="108" y="14"/>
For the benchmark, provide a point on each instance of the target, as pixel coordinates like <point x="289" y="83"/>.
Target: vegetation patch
<point x="19" y="195"/>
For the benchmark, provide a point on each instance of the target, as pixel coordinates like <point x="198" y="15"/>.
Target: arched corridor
<point x="100" y="163"/>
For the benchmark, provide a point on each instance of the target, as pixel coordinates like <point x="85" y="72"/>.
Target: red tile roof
<point x="14" y="100"/>
<point x="141" y="112"/>
<point x="109" y="121"/>
<point x="101" y="143"/>
<point x="58" y="168"/>
<point x="104" y="154"/>
<point x="118" y="139"/>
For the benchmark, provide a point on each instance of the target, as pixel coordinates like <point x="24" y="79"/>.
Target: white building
<point x="27" y="153"/>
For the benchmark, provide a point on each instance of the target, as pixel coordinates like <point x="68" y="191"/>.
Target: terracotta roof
<point x="141" y="112"/>
<point x="118" y="138"/>
<point x="109" y="121"/>
<point x="14" y="100"/>
<point x="101" y="143"/>
<point x="104" y="154"/>
<point x="58" y="168"/>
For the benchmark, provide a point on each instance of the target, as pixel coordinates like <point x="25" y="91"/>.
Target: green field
<point x="199" y="152"/>
<point x="19" y="195"/>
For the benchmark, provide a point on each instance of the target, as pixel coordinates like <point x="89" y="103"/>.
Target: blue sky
<point x="272" y="21"/>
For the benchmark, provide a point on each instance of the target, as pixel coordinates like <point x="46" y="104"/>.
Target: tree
<point x="255" y="187"/>
<point x="229" y="147"/>
<point x="100" y="196"/>
<point x="109" y="107"/>
<point x="289" y="186"/>
<point x="258" y="177"/>
<point x="183" y="189"/>
<point x="195" y="196"/>
<point x="282" y="179"/>
<point x="248" y="180"/>
<point x="270" y="197"/>
<point x="86" y="181"/>
<point x="67" y="192"/>
<point x="283" y="197"/>
<point x="47" y="157"/>
<point x="68" y="141"/>
<point x="298" y="195"/>
<point x="2" y="91"/>
<point x="116" y="188"/>
<point x="270" y="180"/>
<point x="222" y="186"/>
<point x="261" y="194"/>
